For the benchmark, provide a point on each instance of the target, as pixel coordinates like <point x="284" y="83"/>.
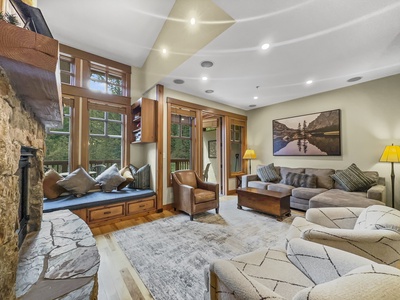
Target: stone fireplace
<point x="19" y="130"/>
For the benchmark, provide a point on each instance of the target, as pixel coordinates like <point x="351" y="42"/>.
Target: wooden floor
<point x="118" y="280"/>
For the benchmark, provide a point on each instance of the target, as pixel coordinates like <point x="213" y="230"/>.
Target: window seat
<point x="100" y="207"/>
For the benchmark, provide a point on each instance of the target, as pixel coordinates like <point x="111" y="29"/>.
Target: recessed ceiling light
<point x="179" y="81"/>
<point x="309" y="81"/>
<point x="209" y="91"/>
<point x="192" y="21"/>
<point x="265" y="46"/>
<point x="206" y="64"/>
<point x="255" y="97"/>
<point x="354" y="79"/>
<point x="164" y="50"/>
<point x="252" y="105"/>
<point x="204" y="78"/>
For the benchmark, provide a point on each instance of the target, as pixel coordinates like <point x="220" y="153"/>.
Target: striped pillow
<point x="141" y="177"/>
<point x="352" y="179"/>
<point x="268" y="173"/>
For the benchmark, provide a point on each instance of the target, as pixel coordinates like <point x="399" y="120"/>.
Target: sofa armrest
<point x="377" y="192"/>
<point x="247" y="178"/>
<point x="334" y="217"/>
<point x="239" y="285"/>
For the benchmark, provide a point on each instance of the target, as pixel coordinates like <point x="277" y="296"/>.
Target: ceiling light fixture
<point x="252" y="105"/>
<point x="354" y="79"/>
<point x="209" y="91"/>
<point x="206" y="64"/>
<point x="309" y="81"/>
<point x="265" y="46"/>
<point x="164" y="50"/>
<point x="192" y="21"/>
<point x="204" y="78"/>
<point x="255" y="97"/>
<point x="179" y="81"/>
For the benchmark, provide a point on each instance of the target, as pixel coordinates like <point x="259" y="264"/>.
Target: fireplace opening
<point x="23" y="209"/>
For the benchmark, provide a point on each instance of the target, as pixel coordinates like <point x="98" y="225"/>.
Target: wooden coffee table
<point x="270" y="202"/>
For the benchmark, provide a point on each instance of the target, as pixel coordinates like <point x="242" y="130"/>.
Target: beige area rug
<point x="171" y="254"/>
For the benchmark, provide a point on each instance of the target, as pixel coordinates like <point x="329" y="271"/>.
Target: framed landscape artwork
<point x="315" y="134"/>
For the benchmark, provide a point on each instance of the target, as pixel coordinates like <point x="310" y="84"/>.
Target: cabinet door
<point x="106" y="212"/>
<point x="135" y="207"/>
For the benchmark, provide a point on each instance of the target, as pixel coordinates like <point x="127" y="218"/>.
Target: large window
<point x="181" y="142"/>
<point x="105" y="140"/>
<point x="105" y="80"/>
<point x="67" y="71"/>
<point x="58" y="143"/>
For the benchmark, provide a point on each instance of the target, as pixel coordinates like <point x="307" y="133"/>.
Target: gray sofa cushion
<point x="258" y="184"/>
<point x="340" y="198"/>
<point x="324" y="179"/>
<point x="280" y="187"/>
<point x="307" y="193"/>
<point x="285" y="170"/>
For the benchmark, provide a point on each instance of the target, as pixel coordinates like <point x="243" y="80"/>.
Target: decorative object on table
<point x="249" y="154"/>
<point x="212" y="149"/>
<point x="391" y="154"/>
<point x="316" y="134"/>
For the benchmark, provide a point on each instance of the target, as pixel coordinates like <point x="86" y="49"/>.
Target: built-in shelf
<point x="30" y="61"/>
<point x="143" y="121"/>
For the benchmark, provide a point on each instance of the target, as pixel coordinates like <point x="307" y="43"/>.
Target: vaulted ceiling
<point x="326" y="42"/>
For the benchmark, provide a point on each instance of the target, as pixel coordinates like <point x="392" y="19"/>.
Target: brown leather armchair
<point x="192" y="195"/>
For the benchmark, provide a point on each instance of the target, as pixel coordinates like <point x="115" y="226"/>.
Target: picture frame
<point x="315" y="134"/>
<point x="212" y="149"/>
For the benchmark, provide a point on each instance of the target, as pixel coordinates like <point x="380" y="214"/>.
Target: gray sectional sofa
<point x="327" y="192"/>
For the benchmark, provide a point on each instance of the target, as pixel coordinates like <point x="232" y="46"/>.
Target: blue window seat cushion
<point x="93" y="199"/>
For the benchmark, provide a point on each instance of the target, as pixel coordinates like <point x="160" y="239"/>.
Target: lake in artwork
<point x="313" y="134"/>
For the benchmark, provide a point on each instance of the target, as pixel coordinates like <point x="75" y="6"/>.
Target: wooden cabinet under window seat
<point x="98" y="208"/>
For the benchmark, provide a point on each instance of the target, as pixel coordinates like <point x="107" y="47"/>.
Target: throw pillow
<point x="51" y="189"/>
<point x="268" y="173"/>
<point x="352" y="179"/>
<point x="78" y="183"/>
<point x="127" y="174"/>
<point x="301" y="180"/>
<point x="378" y="217"/>
<point x="141" y="177"/>
<point x="110" y="179"/>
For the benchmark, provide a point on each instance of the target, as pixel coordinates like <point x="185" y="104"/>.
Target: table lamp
<point x="249" y="154"/>
<point x="391" y="154"/>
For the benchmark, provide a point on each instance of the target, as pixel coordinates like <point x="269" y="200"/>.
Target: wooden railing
<point x="61" y="166"/>
<point x="180" y="164"/>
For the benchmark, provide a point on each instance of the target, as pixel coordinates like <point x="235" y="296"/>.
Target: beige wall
<point x="370" y="120"/>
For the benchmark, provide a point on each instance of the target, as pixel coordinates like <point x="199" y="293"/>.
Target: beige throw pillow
<point x="51" y="189"/>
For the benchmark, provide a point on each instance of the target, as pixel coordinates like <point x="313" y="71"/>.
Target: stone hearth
<point x="61" y="261"/>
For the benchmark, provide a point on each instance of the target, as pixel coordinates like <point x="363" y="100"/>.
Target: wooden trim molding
<point x="95" y="58"/>
<point x="160" y="146"/>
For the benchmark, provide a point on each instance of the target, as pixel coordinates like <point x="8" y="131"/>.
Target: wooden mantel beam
<point x="30" y="61"/>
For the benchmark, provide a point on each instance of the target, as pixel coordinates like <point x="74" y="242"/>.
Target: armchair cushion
<point x="187" y="178"/>
<point x="369" y="282"/>
<point x="201" y="195"/>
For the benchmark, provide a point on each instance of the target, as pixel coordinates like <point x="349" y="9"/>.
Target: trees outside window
<point x="106" y="82"/>
<point x="105" y="139"/>
<point x="181" y="142"/>
<point x="58" y="143"/>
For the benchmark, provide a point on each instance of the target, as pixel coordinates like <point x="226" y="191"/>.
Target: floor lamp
<point x="249" y="154"/>
<point x="391" y="154"/>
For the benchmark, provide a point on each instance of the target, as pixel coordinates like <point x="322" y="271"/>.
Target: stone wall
<point x="18" y="127"/>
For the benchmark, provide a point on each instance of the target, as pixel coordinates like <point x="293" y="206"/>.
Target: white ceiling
<point x="328" y="42"/>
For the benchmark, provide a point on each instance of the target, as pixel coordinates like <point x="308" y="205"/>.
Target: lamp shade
<point x="391" y="154"/>
<point x="249" y="154"/>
